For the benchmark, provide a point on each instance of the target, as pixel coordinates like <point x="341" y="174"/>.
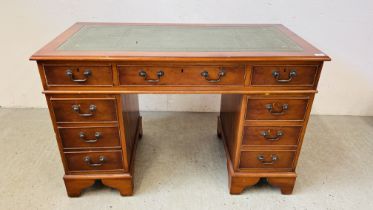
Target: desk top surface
<point x="120" y="41"/>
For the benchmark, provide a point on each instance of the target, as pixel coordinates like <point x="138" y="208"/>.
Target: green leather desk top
<point x="180" y="39"/>
<point x="160" y="42"/>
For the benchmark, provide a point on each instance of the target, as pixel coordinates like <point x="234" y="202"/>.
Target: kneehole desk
<point x="92" y="73"/>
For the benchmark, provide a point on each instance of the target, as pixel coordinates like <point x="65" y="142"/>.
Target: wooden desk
<point x="92" y="74"/>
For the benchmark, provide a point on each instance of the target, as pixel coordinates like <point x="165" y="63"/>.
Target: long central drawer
<point x="202" y="75"/>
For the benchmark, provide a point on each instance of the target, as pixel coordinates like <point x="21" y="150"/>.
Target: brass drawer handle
<point x="274" y="158"/>
<point x="101" y="160"/>
<point x="97" y="136"/>
<point x="205" y="74"/>
<point x="284" y="108"/>
<point x="92" y="109"/>
<point x="266" y="135"/>
<point x="86" y="74"/>
<point x="160" y="74"/>
<point x="292" y="74"/>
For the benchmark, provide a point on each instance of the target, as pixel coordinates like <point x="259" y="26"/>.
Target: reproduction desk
<point x="92" y="73"/>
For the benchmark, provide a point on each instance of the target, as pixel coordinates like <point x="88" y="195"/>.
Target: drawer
<point x="271" y="135"/>
<point x="283" y="75"/>
<point x="276" y="109"/>
<point x="84" y="109"/>
<point x="65" y="75"/>
<point x="88" y="137"/>
<point x="267" y="159"/>
<point x="94" y="161"/>
<point x="181" y="75"/>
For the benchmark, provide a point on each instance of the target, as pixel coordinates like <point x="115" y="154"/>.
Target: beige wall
<point x="343" y="29"/>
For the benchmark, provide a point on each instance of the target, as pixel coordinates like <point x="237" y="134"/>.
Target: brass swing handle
<point x="261" y="158"/>
<point x="266" y="135"/>
<point x="86" y="74"/>
<point x="276" y="75"/>
<point x="92" y="109"/>
<point x="205" y="74"/>
<point x="160" y="74"/>
<point x="269" y="107"/>
<point x="88" y="161"/>
<point x="83" y="137"/>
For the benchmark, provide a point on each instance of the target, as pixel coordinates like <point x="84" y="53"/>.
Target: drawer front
<point x="84" y="110"/>
<point x="276" y="109"/>
<point x="271" y="135"/>
<point x="267" y="159"/>
<point x="284" y="75"/>
<point x="63" y="75"/>
<point x="88" y="137"/>
<point x="94" y="161"/>
<point x="181" y="75"/>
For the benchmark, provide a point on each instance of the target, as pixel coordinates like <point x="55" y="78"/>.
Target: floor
<point x="180" y="164"/>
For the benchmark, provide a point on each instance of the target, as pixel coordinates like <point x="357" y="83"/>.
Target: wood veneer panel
<point x="230" y="114"/>
<point x="131" y="116"/>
